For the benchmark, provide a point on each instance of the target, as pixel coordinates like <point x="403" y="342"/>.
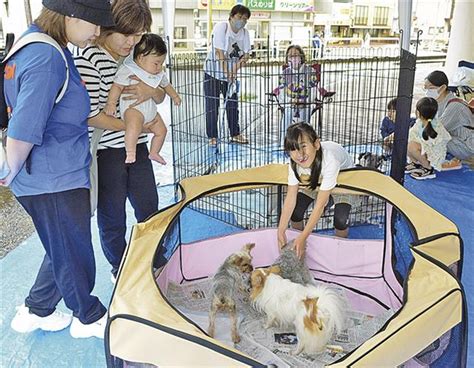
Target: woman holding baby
<point x="117" y="181"/>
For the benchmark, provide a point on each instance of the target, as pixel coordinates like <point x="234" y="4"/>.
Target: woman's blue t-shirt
<point x="60" y="157"/>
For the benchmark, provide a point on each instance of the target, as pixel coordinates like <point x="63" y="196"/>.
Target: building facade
<point x="355" y="21"/>
<point x="277" y="23"/>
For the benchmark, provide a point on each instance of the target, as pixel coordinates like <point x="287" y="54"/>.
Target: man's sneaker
<point x="239" y="138"/>
<point x="24" y="321"/>
<point x="423" y="174"/>
<point x="454" y="164"/>
<point x="412" y="167"/>
<point x="213" y="141"/>
<point x="113" y="278"/>
<point x="80" y="330"/>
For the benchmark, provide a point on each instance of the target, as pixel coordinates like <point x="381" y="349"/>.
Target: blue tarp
<point x="450" y="193"/>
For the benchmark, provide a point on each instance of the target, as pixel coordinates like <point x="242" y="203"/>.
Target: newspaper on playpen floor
<point x="273" y="345"/>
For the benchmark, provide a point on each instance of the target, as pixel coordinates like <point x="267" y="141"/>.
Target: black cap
<point x="97" y="12"/>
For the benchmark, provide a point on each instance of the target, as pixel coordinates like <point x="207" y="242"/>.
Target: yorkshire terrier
<point x="371" y="160"/>
<point x="315" y="311"/>
<point x="227" y="282"/>
<point x="292" y="267"/>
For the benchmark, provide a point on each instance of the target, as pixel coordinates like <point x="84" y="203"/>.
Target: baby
<point x="146" y="63"/>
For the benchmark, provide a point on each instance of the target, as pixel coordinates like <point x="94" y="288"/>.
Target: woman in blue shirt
<point x="48" y="156"/>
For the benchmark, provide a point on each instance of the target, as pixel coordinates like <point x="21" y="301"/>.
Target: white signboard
<point x="294" y="5"/>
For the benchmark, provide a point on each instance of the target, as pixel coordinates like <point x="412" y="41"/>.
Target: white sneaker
<point x="24" y="321"/>
<point x="113" y="279"/>
<point x="80" y="330"/>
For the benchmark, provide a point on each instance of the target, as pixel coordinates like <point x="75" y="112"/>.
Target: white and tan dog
<point x="316" y="312"/>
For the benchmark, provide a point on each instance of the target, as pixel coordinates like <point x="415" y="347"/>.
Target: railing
<point x="350" y="48"/>
<point x="278" y="46"/>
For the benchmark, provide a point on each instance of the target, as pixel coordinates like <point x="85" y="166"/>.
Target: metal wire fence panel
<point x="276" y="52"/>
<point x="347" y="99"/>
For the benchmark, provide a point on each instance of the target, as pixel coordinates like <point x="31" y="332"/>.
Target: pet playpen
<point x="412" y="271"/>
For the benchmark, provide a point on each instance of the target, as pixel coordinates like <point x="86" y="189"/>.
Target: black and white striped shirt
<point x="97" y="68"/>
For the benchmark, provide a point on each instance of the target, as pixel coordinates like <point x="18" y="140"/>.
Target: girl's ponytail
<point x="429" y="131"/>
<point x="427" y="107"/>
<point x="316" y="168"/>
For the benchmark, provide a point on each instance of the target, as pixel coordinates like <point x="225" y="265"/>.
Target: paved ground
<point x="15" y="226"/>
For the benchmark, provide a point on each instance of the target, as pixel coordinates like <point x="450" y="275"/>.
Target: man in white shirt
<point x="229" y="52"/>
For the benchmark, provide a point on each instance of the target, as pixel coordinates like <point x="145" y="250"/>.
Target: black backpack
<point x="3" y="105"/>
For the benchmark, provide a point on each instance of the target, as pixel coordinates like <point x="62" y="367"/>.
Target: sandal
<point x="412" y="167"/>
<point x="454" y="164"/>
<point x="239" y="138"/>
<point x="423" y="174"/>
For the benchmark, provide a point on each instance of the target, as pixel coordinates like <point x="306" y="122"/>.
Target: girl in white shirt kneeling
<point x="313" y="161"/>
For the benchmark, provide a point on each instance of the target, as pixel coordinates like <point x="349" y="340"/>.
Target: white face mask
<point x="239" y="24"/>
<point x="432" y="92"/>
<point x="294" y="61"/>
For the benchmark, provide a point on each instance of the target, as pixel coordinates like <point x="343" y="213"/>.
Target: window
<point x="361" y="16"/>
<point x="180" y="33"/>
<point x="381" y="16"/>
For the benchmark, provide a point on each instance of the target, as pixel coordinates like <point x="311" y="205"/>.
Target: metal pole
<point x="29" y="18"/>
<point x="209" y="23"/>
<point x="168" y="13"/>
<point x="404" y="16"/>
<point x="406" y="81"/>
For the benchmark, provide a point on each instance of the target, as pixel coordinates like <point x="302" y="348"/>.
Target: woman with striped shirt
<point x="118" y="181"/>
<point x="455" y="116"/>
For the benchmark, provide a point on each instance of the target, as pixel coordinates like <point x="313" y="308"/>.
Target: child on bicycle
<point x="427" y="142"/>
<point x="296" y="81"/>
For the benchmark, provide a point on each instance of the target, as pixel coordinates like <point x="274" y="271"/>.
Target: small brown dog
<point x="226" y="283"/>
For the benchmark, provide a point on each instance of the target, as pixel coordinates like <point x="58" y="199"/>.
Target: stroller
<point x="303" y="97"/>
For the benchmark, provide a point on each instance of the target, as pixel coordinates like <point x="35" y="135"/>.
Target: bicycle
<point x="299" y="110"/>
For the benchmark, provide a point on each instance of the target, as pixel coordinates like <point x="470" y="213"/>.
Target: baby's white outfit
<point x="129" y="68"/>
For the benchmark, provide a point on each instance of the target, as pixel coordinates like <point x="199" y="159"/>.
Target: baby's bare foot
<point x="131" y="158"/>
<point x="157" y="157"/>
<point x="235" y="338"/>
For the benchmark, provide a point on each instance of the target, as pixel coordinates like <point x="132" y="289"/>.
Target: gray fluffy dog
<point x="293" y="268"/>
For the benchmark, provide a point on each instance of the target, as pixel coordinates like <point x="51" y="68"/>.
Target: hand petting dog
<point x="292" y="267"/>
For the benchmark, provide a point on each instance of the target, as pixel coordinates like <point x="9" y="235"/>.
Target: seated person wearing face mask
<point x="296" y="82"/>
<point x="456" y="117"/>
<point x="229" y="52"/>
